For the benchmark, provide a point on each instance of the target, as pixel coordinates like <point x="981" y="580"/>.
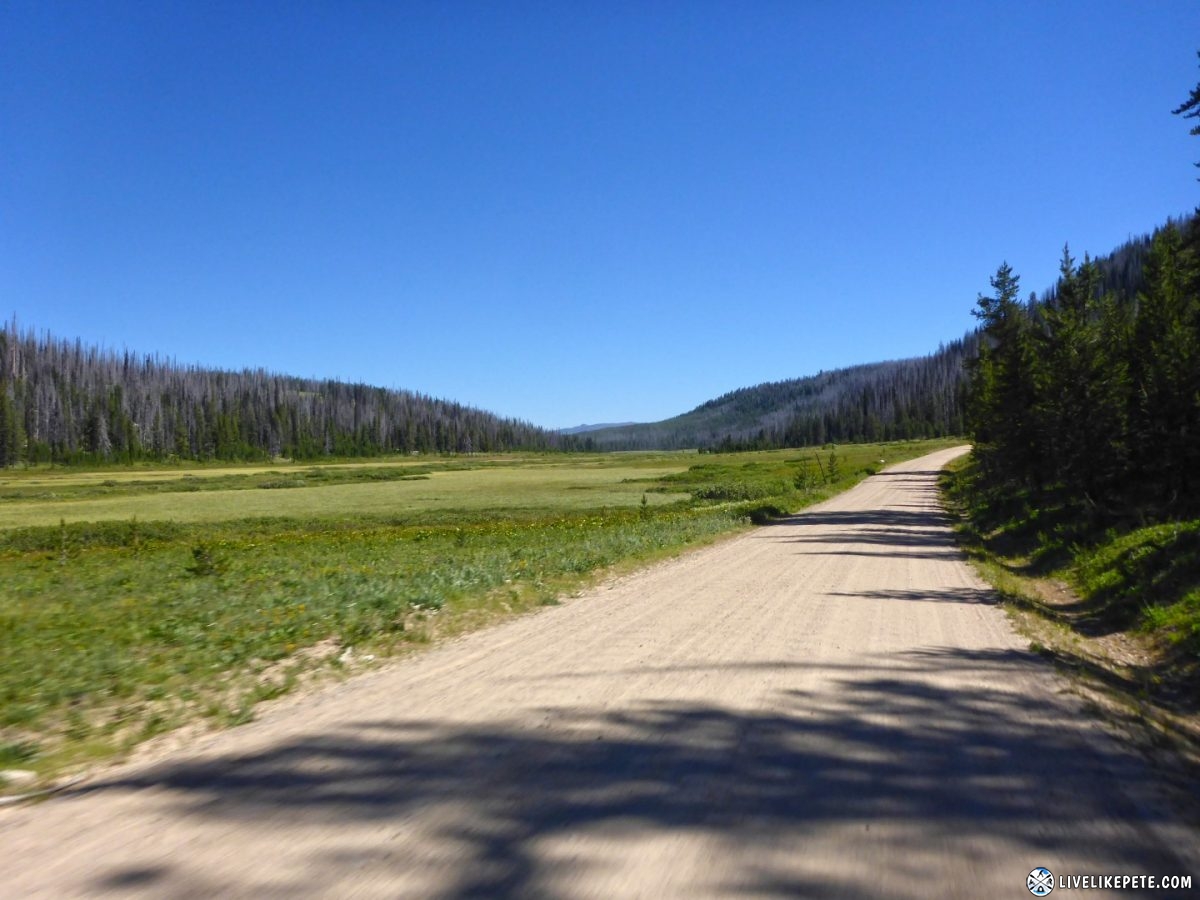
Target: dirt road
<point x="830" y="707"/>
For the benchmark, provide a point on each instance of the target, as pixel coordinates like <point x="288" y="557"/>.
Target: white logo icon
<point x="1040" y="882"/>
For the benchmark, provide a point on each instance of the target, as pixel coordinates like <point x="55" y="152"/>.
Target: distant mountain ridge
<point x="908" y="398"/>
<point x="584" y="429"/>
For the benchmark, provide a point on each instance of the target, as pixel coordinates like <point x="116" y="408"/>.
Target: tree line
<point x="1094" y="391"/>
<point x="65" y="402"/>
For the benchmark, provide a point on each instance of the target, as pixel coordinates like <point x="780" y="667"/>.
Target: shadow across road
<point x="941" y="769"/>
<point x="895" y="532"/>
<point x="891" y="517"/>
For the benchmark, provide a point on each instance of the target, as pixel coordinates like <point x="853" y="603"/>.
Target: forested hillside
<point x="64" y="402"/>
<point x="910" y="398"/>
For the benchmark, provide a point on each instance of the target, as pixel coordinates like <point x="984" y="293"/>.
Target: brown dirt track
<point x="829" y="707"/>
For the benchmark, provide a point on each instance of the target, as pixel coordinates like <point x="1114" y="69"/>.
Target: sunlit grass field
<point x="137" y="600"/>
<point x="399" y="490"/>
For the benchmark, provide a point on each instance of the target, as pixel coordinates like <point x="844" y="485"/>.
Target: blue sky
<point x="570" y="212"/>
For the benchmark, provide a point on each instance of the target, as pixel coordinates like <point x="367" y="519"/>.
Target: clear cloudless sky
<point x="570" y="211"/>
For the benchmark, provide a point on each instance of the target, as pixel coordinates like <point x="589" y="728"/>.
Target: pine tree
<point x="1003" y="390"/>
<point x="1190" y="109"/>
<point x="1082" y="386"/>
<point x="1165" y="359"/>
<point x="8" y="448"/>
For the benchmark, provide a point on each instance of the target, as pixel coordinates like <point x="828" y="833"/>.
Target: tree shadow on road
<point x="872" y="532"/>
<point x="904" y="477"/>
<point x="938" y="768"/>
<point x="945" y="595"/>
<point x="879" y="518"/>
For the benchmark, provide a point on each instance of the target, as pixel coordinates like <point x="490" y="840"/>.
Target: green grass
<point x="1129" y="576"/>
<point x="106" y="633"/>
<point x="1153" y="573"/>
<point x="172" y="606"/>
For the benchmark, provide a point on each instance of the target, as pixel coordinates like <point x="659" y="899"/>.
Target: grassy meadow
<point x="140" y="599"/>
<point x="397" y="491"/>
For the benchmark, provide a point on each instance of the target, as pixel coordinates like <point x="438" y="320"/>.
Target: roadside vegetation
<point x="1120" y="586"/>
<point x="132" y="607"/>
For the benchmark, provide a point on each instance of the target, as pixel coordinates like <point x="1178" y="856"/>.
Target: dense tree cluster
<point x="1094" y="391"/>
<point x="67" y="402"/>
